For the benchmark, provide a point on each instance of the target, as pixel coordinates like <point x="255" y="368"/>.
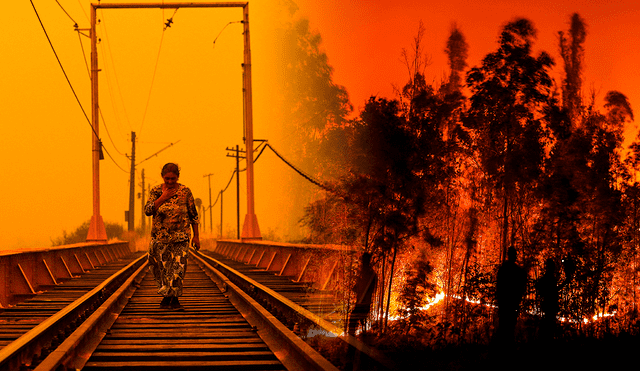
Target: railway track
<point x="118" y="324"/>
<point x="322" y="303"/>
<point x="17" y="320"/>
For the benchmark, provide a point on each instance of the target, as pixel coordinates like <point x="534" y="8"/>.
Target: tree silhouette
<point x="457" y="51"/>
<point x="572" y="52"/>
<point x="509" y="92"/>
<point x="307" y="104"/>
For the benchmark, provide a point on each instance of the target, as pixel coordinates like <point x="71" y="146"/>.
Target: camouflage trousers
<point x="168" y="262"/>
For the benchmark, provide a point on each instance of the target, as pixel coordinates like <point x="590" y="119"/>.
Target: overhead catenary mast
<point x="97" y="231"/>
<point x="251" y="230"/>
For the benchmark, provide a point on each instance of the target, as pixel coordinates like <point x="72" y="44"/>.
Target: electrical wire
<point x="238" y="172"/>
<point x="99" y="109"/>
<point x="153" y="78"/>
<point x="300" y="172"/>
<point x="115" y="74"/>
<point x="114" y="161"/>
<point x="83" y="11"/>
<point x="63" y="71"/>
<point x="230" y="179"/>
<point x="219" y="33"/>
<point x="262" y="150"/>
<point x="84" y="55"/>
<point x="225" y="188"/>
<point x="108" y="133"/>
<point x="244" y="119"/>
<point x="295" y="168"/>
<point x="65" y="12"/>
<point x="258" y="156"/>
<point x="70" y="85"/>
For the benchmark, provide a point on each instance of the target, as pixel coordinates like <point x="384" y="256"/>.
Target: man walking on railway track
<point x="174" y="216"/>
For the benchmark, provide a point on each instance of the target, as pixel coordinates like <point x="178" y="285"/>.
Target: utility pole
<point x="238" y="157"/>
<point x="210" y="209"/>
<point x="148" y="218"/>
<point x="204" y="217"/>
<point x="198" y="203"/>
<point x="221" y="208"/>
<point x="97" y="231"/>
<point x="132" y="179"/>
<point x="143" y="225"/>
<point x="250" y="230"/>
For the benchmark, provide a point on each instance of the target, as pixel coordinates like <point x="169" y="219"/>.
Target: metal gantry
<point x="251" y="229"/>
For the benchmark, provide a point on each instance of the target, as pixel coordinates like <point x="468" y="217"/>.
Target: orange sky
<point x="196" y="94"/>
<point x="363" y="39"/>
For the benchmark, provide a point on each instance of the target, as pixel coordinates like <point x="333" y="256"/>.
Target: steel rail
<point x="39" y="341"/>
<point x="291" y="309"/>
<point x="74" y="352"/>
<point x="80" y="327"/>
<point x="292" y="351"/>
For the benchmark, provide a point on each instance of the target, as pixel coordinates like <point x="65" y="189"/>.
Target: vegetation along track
<point x="118" y="324"/>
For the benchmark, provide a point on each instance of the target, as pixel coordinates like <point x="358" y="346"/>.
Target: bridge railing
<point x="322" y="266"/>
<point x="25" y="273"/>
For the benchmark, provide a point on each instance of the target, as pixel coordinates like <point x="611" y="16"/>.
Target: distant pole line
<point x="210" y="207"/>
<point x="237" y="156"/>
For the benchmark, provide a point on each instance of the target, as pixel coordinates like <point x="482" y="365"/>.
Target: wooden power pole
<point x="132" y="184"/>
<point x="143" y="223"/>
<point x="210" y="209"/>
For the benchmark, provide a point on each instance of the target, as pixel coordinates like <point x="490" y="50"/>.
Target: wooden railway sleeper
<point x="292" y="313"/>
<point x="294" y="353"/>
<point x="74" y="352"/>
<point x="25" y="352"/>
<point x="64" y="352"/>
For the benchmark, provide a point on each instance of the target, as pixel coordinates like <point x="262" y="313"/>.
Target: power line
<point x="65" y="12"/>
<point x="63" y="71"/>
<point x="225" y="188"/>
<point x="84" y="56"/>
<point x="153" y="78"/>
<point x="258" y="156"/>
<point x="156" y="154"/>
<point x="115" y="75"/>
<point x="114" y="161"/>
<point x="83" y="11"/>
<point x="220" y="33"/>
<point x="230" y="179"/>
<point x="302" y="173"/>
<point x="70" y="85"/>
<point x="108" y="133"/>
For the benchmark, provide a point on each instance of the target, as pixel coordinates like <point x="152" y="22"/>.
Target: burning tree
<point x="437" y="186"/>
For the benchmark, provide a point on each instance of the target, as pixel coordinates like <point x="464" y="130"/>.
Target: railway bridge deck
<point x="247" y="306"/>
